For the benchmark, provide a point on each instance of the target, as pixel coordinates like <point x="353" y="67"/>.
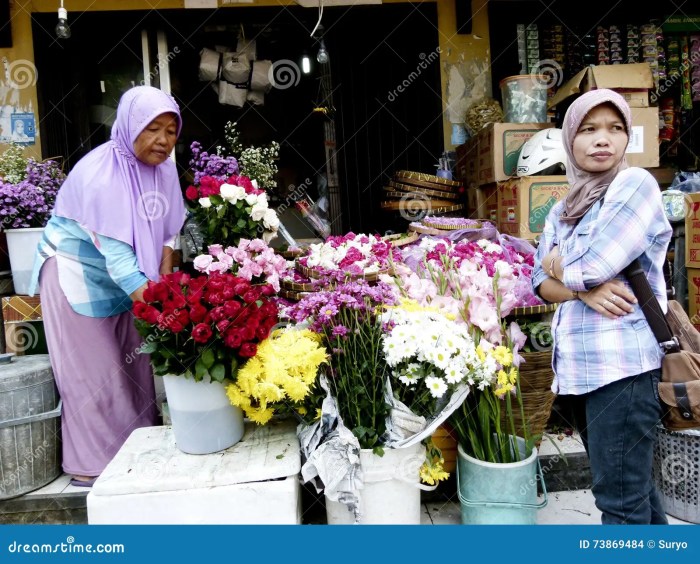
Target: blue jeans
<point x="618" y="426"/>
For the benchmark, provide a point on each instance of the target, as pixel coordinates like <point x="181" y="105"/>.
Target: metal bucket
<point x="30" y="409"/>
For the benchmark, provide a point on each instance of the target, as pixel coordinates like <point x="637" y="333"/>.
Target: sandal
<point x="83" y="483"/>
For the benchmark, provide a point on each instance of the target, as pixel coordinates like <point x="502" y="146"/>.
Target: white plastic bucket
<point x="21" y="246"/>
<point x="524" y="98"/>
<point x="391" y="493"/>
<point x="203" y="419"/>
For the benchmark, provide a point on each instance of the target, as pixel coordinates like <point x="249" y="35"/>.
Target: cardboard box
<point x="692" y="232"/>
<point x="467" y="158"/>
<point x="487" y="202"/>
<point x="21" y="308"/>
<point x="694" y="296"/>
<point x="499" y="147"/>
<point x="643" y="148"/>
<point x="523" y="203"/>
<point x="631" y="81"/>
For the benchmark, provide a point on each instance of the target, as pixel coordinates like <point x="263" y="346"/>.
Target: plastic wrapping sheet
<point x="331" y="455"/>
<point x="404" y="428"/>
<point x="209" y="64"/>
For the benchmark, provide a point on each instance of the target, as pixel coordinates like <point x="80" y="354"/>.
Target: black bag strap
<point x="650" y="306"/>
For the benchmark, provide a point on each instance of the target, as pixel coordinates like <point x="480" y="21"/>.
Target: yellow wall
<point x="464" y="59"/>
<point x="465" y="63"/>
<point x="19" y="76"/>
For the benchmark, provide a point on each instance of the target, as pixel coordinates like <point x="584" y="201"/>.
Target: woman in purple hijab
<point x="606" y="359"/>
<point x="113" y="229"/>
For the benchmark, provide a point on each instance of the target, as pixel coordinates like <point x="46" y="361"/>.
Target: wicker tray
<point x="298" y="286"/>
<point x="426" y="178"/>
<point x="533" y="310"/>
<point x="401" y="239"/>
<point x="292" y="296"/>
<point x="407" y="188"/>
<point x="468" y="224"/>
<point x="316" y="275"/>
<point x="419" y="203"/>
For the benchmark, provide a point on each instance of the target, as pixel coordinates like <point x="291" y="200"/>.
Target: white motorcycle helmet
<point x="542" y="154"/>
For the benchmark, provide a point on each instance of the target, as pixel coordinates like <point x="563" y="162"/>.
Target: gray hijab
<point x="586" y="188"/>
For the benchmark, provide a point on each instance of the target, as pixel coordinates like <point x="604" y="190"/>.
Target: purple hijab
<point x="586" y="188"/>
<point x="111" y="192"/>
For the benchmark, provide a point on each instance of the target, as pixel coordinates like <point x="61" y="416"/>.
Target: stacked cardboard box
<point x="487" y="165"/>
<point x="633" y="82"/>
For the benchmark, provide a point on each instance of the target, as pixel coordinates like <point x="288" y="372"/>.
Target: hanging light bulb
<point x="322" y="55"/>
<point x="62" y="27"/>
<point x="305" y="63"/>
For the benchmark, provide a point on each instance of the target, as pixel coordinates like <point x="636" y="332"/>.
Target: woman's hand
<point x="611" y="299"/>
<point x="547" y="261"/>
<point x="137" y="295"/>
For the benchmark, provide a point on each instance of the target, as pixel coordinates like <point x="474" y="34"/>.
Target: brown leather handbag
<point x="679" y="388"/>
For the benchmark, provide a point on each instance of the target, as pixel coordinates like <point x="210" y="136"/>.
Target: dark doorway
<point x="373" y="50"/>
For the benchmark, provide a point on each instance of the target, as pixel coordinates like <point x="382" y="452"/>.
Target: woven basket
<point x="536" y="378"/>
<point x="316" y="275"/>
<point x="401" y="239"/>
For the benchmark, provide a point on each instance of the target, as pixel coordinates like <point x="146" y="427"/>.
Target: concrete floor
<point x="563" y="508"/>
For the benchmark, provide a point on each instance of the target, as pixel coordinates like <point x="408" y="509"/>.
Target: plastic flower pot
<point x="204" y="421"/>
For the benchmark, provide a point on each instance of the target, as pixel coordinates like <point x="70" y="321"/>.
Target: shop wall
<point x="465" y="63"/>
<point x="18" y="93"/>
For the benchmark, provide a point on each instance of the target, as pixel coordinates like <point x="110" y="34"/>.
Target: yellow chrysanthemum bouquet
<point x="280" y="377"/>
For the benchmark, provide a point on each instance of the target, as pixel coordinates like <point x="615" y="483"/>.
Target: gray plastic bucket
<point x="30" y="409"/>
<point x="499" y="493"/>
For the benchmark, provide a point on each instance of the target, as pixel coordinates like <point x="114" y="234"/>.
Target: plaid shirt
<point x="96" y="273"/>
<point x="590" y="350"/>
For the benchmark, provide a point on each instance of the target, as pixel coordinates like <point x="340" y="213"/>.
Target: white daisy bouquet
<point x="430" y="356"/>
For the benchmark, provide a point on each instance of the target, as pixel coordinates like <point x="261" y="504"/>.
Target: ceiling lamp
<point x="62" y="27"/>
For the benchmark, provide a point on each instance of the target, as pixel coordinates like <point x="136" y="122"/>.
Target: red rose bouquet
<point x="204" y="325"/>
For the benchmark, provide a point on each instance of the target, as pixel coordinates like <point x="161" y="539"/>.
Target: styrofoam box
<point x="150" y="481"/>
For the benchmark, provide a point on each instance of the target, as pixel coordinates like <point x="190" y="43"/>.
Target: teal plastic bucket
<point x="499" y="494"/>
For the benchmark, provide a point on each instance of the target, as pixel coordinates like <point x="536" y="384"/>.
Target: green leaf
<point x="241" y="223"/>
<point x="200" y="369"/>
<point x="148" y="348"/>
<point x="216" y="200"/>
<point x="208" y="358"/>
<point x="218" y="372"/>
